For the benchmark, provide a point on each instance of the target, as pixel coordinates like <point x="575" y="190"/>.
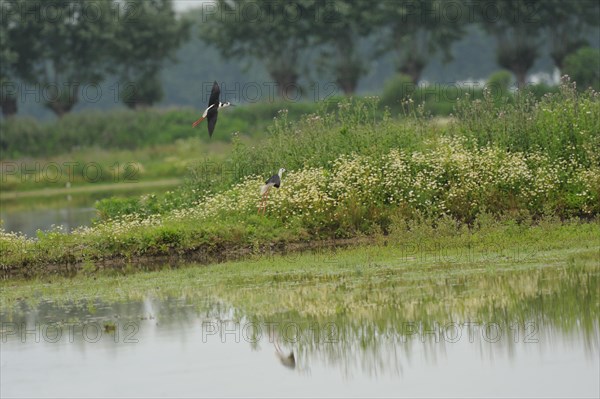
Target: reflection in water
<point x="538" y="329"/>
<point x="286" y="359"/>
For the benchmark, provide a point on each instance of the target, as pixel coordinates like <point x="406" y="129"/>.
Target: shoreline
<point x="503" y="241"/>
<point x="205" y="255"/>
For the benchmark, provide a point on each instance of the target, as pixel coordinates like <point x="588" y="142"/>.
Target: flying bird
<point x="214" y="105"/>
<point x="274" y="181"/>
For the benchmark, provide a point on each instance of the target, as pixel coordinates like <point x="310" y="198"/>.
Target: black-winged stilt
<point x="287" y="359"/>
<point x="214" y="105"/>
<point x="274" y="181"/>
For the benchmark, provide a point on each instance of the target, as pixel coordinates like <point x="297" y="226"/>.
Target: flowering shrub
<point x="448" y="180"/>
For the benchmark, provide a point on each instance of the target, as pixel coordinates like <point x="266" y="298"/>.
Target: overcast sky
<point x="182" y="5"/>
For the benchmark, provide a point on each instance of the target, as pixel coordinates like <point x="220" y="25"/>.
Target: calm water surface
<point x="29" y="222"/>
<point x="179" y="348"/>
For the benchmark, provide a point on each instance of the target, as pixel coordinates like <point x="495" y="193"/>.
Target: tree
<point x="416" y="29"/>
<point x="8" y="59"/>
<point x="583" y="67"/>
<point x="18" y="53"/>
<point x="69" y="40"/>
<point x="147" y="36"/>
<point x="275" y="32"/>
<point x="341" y="25"/>
<point x="516" y="25"/>
<point x="566" y="21"/>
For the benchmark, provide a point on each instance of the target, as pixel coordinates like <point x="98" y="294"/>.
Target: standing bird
<point x="274" y="181"/>
<point x="214" y="105"/>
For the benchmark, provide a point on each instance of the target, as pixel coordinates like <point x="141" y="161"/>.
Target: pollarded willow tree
<point x="568" y="22"/>
<point x="276" y="33"/>
<point x="340" y="25"/>
<point x="8" y="60"/>
<point x="147" y="36"/>
<point x="516" y="25"/>
<point x="416" y="29"/>
<point x="61" y="45"/>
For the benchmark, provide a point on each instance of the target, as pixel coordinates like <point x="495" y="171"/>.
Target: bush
<point x="583" y="66"/>
<point x="499" y="82"/>
<point x="396" y="90"/>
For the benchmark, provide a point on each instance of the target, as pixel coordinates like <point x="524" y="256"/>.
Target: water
<point x="29" y="222"/>
<point x="27" y="215"/>
<point x="176" y="347"/>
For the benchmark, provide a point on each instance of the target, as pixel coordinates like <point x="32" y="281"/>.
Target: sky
<point x="183" y="5"/>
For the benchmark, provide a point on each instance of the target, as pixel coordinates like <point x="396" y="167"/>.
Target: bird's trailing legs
<point x="263" y="204"/>
<point x="204" y="115"/>
<point x="198" y="121"/>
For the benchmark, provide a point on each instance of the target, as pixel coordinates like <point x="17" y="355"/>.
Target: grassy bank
<point x="96" y="166"/>
<point x="356" y="172"/>
<point x="501" y="273"/>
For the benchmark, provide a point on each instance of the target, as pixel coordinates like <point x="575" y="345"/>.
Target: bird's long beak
<point x="198" y="121"/>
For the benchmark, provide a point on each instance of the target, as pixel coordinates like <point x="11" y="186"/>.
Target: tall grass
<point x="127" y="129"/>
<point x="563" y="125"/>
<point x="554" y="139"/>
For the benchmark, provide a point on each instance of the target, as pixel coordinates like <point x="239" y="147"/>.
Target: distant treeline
<point x="139" y="52"/>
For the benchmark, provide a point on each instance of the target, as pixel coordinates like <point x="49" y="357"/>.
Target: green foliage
<point x="396" y="90"/>
<point x="149" y="36"/>
<point x="339" y="28"/>
<point x="278" y="36"/>
<point x="499" y="82"/>
<point x="352" y="170"/>
<point x="562" y="125"/>
<point x="63" y="49"/>
<point x="145" y="91"/>
<point x="567" y="22"/>
<point x="125" y="129"/>
<point x="117" y="207"/>
<point x="516" y="29"/>
<point x="80" y="42"/>
<point x="414" y="33"/>
<point x="583" y="67"/>
<point x="8" y="60"/>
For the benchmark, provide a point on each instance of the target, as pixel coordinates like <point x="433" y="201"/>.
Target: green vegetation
<point x="78" y="135"/>
<point x="147" y="35"/>
<point x="353" y="172"/>
<point x="132" y="40"/>
<point x="584" y="67"/>
<point x="141" y="49"/>
<point x="125" y="129"/>
<point x="500" y="81"/>
<point x="502" y="273"/>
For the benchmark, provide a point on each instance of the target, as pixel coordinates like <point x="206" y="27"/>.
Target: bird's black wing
<point x="212" y="120"/>
<point x="275" y="180"/>
<point x="214" y="95"/>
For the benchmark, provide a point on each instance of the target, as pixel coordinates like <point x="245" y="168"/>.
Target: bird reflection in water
<point x="287" y="359"/>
